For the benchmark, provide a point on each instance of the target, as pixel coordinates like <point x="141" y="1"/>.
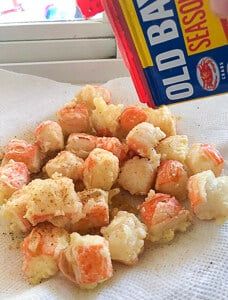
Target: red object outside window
<point x="16" y="6"/>
<point x="90" y="8"/>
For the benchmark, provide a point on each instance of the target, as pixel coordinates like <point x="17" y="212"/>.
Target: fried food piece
<point x="172" y="179"/>
<point x="174" y="147"/>
<point x="21" y="151"/>
<point x="67" y="164"/>
<point x="163" y="215"/>
<point x="105" y="118"/>
<point x="113" y="145"/>
<point x="208" y="196"/>
<point x="13" y="176"/>
<point x="143" y="138"/>
<point x="49" y="136"/>
<point x="86" y="261"/>
<point x="132" y="116"/>
<point x="95" y="210"/>
<point x="162" y="118"/>
<point x="125" y="235"/>
<point x="74" y="117"/>
<point x="137" y="175"/>
<point x="89" y="92"/>
<point x="53" y="200"/>
<point x="203" y="157"/>
<point x="82" y="144"/>
<point x="101" y="169"/>
<point x="13" y="213"/>
<point x="41" y="250"/>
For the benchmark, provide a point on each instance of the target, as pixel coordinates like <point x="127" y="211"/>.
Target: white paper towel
<point x="194" y="266"/>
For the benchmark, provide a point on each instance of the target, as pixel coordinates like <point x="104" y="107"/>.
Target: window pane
<point x="40" y="11"/>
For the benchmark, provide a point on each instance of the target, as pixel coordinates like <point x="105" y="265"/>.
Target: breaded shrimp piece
<point x="113" y="145"/>
<point x="208" y="196"/>
<point x="41" y="250"/>
<point x="163" y="215"/>
<point x="132" y="116"/>
<point x="125" y="235"/>
<point x="172" y="179"/>
<point x="81" y="144"/>
<point x="174" y="147"/>
<point x="95" y="210"/>
<point x="162" y="118"/>
<point x="143" y="138"/>
<point x="13" y="176"/>
<point x="89" y="92"/>
<point x="21" y="151"/>
<point x="105" y="117"/>
<point x="49" y="136"/>
<point x="74" y="117"/>
<point x="13" y="213"/>
<point x="203" y="157"/>
<point x="53" y="200"/>
<point x="101" y="169"/>
<point x="86" y="261"/>
<point x="67" y="164"/>
<point x="137" y="176"/>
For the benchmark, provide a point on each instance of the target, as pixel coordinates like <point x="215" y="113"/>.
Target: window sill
<point x="75" y="72"/>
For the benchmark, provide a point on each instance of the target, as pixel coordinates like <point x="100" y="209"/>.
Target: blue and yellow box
<point x="176" y="50"/>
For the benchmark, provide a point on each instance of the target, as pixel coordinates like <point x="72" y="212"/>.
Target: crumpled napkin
<point x="194" y="266"/>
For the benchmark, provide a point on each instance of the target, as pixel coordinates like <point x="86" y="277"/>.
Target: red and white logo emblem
<point x="208" y="74"/>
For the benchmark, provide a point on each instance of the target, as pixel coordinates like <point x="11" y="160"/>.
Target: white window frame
<point x="75" y="52"/>
<point x="55" y="30"/>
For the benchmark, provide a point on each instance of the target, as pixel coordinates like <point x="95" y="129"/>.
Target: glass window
<point x="50" y="38"/>
<point x="12" y="11"/>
